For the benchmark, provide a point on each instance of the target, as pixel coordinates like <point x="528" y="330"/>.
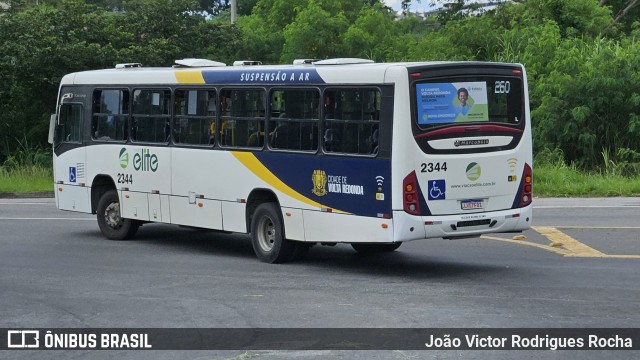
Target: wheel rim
<point x="266" y="234"/>
<point x="112" y="216"/>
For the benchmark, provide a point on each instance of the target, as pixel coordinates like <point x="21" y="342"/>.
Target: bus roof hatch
<point x="343" y="61"/>
<point x="246" y="63"/>
<point x="128" y="65"/>
<point x="191" y="62"/>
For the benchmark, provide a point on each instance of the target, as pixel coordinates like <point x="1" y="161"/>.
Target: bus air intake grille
<point x="474" y="223"/>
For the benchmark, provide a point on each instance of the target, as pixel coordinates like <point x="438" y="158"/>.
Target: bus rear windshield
<point x="469" y="100"/>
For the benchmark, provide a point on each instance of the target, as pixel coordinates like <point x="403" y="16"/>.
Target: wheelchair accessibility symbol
<point x="437" y="189"/>
<point x="72" y="174"/>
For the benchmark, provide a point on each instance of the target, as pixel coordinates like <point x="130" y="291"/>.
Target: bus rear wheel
<point x="267" y="235"/>
<point x="366" y="248"/>
<point x="111" y="224"/>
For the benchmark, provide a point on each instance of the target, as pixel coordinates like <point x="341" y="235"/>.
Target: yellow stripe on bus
<point x="189" y="77"/>
<point x="252" y="163"/>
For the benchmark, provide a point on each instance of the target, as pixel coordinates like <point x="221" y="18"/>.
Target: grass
<point x="23" y="179"/>
<point x="29" y="170"/>
<point x="566" y="181"/>
<point x="548" y="181"/>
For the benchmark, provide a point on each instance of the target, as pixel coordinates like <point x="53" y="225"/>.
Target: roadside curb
<point x="26" y="195"/>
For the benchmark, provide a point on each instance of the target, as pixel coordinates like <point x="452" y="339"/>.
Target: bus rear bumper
<point x="408" y="227"/>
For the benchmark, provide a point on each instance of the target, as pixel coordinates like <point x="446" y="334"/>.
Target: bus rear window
<point x="440" y="102"/>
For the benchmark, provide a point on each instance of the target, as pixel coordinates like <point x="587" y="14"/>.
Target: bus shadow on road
<point x="339" y="258"/>
<point x="397" y="264"/>
<point x="196" y="240"/>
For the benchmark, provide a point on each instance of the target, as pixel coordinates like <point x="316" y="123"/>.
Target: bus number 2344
<point x="431" y="167"/>
<point x="125" y="179"/>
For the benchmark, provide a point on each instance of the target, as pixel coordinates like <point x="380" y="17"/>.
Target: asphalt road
<point x="578" y="267"/>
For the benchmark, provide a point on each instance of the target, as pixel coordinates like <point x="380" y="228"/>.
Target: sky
<point x="415" y="5"/>
<point x="395" y="4"/>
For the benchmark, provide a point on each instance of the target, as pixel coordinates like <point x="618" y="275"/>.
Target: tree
<point x="627" y="12"/>
<point x="276" y="30"/>
<point x="245" y="7"/>
<point x="372" y="35"/>
<point x="313" y="33"/>
<point x="581" y="56"/>
<point x="590" y="99"/>
<point x="213" y="7"/>
<point x="43" y="43"/>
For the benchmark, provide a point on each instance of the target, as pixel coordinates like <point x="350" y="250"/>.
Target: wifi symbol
<point x="379" y="180"/>
<point x="512" y="162"/>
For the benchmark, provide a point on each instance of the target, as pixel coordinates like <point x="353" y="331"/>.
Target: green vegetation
<point x="26" y="179"/>
<point x="567" y="181"/>
<point x="582" y="59"/>
<point x="28" y="169"/>
<point x="553" y="178"/>
<point x="549" y="181"/>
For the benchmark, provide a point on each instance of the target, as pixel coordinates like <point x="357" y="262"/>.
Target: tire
<point x="366" y="248"/>
<point x="111" y="224"/>
<point x="267" y="235"/>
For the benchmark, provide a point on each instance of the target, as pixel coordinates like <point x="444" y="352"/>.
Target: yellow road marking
<point x="622" y="256"/>
<point x="575" y="247"/>
<point x="570" y="247"/>
<point x="528" y="243"/>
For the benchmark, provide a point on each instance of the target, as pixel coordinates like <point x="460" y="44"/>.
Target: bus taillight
<point x="527" y="186"/>
<point x="410" y="196"/>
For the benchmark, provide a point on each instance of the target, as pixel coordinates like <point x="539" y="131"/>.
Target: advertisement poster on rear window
<point x="443" y="103"/>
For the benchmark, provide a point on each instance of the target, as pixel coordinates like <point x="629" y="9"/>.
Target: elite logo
<point x="142" y="161"/>
<point x="473" y="171"/>
<point x="124" y="158"/>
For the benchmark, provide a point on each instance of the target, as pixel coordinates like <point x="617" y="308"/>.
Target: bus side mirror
<point x="52" y="127"/>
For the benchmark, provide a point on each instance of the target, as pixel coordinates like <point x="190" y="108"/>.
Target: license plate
<point x="472" y="204"/>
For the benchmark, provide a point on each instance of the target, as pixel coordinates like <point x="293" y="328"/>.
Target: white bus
<point x="331" y="151"/>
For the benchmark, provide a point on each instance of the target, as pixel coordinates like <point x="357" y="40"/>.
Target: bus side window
<point x="296" y="127"/>
<point x="110" y="115"/>
<point x="352" y="121"/>
<point x="70" y="123"/>
<point x="242" y="117"/>
<point x="151" y="117"/>
<point x="194" y="117"/>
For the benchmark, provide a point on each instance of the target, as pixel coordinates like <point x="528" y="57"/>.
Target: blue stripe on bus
<point x="359" y="186"/>
<point x="263" y="76"/>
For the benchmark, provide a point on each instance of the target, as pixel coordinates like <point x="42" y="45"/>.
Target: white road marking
<point x="50" y="218"/>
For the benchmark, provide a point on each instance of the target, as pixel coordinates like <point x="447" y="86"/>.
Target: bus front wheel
<point x="366" y="248"/>
<point x="267" y="235"/>
<point x="111" y="224"/>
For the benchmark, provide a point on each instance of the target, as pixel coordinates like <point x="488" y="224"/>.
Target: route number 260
<point x="431" y="167"/>
<point x="502" y="87"/>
